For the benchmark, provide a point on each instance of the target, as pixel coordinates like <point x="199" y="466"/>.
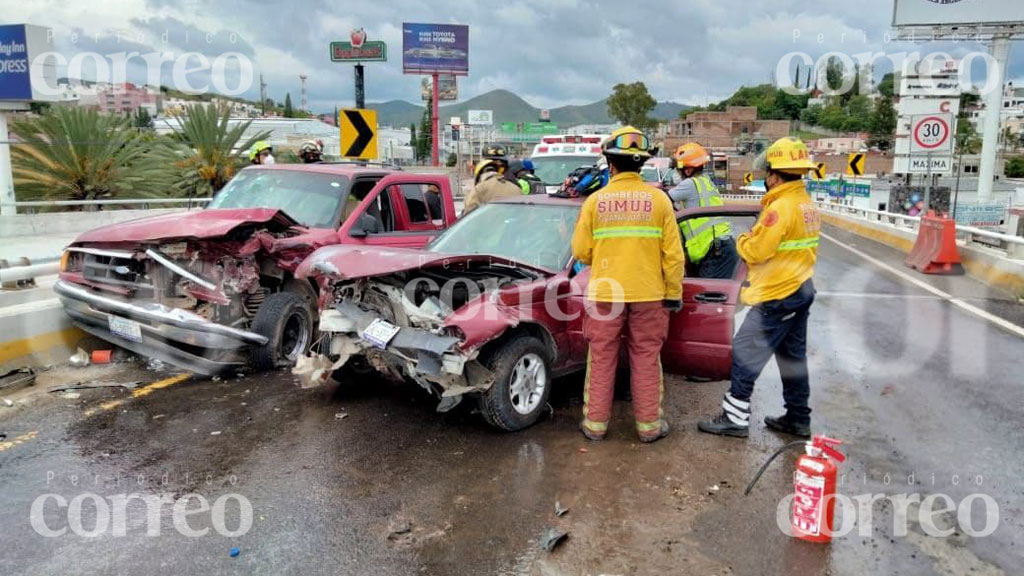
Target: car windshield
<point x="552" y="170"/>
<point x="312" y="199"/>
<point x="535" y="234"/>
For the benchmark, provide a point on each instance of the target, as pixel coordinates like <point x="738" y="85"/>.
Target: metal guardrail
<point x="899" y="220"/>
<point x="111" y="202"/>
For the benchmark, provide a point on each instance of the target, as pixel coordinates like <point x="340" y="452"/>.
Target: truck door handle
<point x="712" y="297"/>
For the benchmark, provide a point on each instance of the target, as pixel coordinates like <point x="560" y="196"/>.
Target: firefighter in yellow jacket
<point x="490" y="184"/>
<point x="780" y="252"/>
<point x="627" y="233"/>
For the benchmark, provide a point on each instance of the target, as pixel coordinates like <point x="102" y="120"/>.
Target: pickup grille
<point x="123" y="272"/>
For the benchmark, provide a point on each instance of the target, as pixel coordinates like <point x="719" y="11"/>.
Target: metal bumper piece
<point x="170" y="334"/>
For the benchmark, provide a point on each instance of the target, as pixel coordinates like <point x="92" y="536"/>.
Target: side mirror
<point x="364" y="226"/>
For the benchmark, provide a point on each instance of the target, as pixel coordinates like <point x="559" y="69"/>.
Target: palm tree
<point x="204" y="153"/>
<point x="76" y="154"/>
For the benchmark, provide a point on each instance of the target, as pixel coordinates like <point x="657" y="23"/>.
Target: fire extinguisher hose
<point x="764" y="466"/>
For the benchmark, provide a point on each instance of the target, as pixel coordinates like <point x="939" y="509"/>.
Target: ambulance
<point x="557" y="155"/>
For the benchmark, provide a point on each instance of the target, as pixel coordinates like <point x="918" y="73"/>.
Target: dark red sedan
<point x="493" y="308"/>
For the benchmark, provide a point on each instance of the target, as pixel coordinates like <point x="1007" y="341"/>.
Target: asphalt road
<point x="365" y="478"/>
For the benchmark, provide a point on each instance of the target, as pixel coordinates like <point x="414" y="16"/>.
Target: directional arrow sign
<point x="855" y="164"/>
<point x="819" y="172"/>
<point x="358" y="133"/>
<point x="748" y="178"/>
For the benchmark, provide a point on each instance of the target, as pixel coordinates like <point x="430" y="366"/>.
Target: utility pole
<point x="303" y="102"/>
<point x="993" y="116"/>
<point x="360" y="89"/>
<point x="263" y="96"/>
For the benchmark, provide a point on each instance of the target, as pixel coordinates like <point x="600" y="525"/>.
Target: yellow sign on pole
<point x="819" y="172"/>
<point x="358" y="133"/>
<point x="855" y="164"/>
<point x="748" y="178"/>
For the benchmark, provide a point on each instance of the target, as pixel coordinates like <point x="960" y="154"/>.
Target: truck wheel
<point x="521" y="387"/>
<point x="285" y="320"/>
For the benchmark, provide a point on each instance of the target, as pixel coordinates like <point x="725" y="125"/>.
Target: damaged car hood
<point x="210" y="223"/>
<point x="352" y="262"/>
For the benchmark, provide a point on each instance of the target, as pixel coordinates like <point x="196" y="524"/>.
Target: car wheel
<point x="521" y="387"/>
<point x="284" y="318"/>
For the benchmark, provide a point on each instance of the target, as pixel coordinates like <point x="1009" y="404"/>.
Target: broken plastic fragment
<point x="553" y="538"/>
<point x="559" y="511"/>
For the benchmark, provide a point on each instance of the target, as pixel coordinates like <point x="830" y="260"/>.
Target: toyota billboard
<point x="435" y="49"/>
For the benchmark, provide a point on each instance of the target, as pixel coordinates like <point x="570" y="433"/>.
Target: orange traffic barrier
<point x="935" y="251"/>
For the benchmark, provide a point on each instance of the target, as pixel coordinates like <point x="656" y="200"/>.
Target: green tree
<point x="76" y="154"/>
<point x="812" y="115"/>
<point x="452" y="160"/>
<point x="288" y="111"/>
<point x="631" y="103"/>
<point x="413" y="142"/>
<point x="142" y="119"/>
<point x="1015" y="167"/>
<point x="425" y="142"/>
<point x="883" y="124"/>
<point x="967" y="139"/>
<point x="858" y="114"/>
<point x="832" y="117"/>
<point x="887" y="86"/>
<point x="204" y="152"/>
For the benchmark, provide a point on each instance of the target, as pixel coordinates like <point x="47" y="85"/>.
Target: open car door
<point x="402" y="210"/>
<point x="700" y="336"/>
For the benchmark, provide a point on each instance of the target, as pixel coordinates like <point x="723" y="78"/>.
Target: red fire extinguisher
<point x="814" y="486"/>
<point x="814" y="491"/>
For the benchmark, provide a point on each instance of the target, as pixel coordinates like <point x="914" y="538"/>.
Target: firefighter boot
<point x="733" y="421"/>
<point x="786" y="425"/>
<point x="647" y="437"/>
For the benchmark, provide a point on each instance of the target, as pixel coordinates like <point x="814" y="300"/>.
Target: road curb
<point x="35" y="334"/>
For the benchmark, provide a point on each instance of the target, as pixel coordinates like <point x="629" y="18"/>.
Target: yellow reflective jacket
<point x="782" y="247"/>
<point x="492" y="186"/>
<point x="628" y="234"/>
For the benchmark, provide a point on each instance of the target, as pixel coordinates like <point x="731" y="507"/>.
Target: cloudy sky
<point x="551" y="52"/>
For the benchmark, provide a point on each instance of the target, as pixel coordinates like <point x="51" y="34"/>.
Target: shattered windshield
<point x="312" y="199"/>
<point x="535" y="234"/>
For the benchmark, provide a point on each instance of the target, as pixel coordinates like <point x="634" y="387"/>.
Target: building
<point x="126" y="99"/>
<point x="1011" y="116"/>
<point x="731" y="129"/>
<point x="841" y="145"/>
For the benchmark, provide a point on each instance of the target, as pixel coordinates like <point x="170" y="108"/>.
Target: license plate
<point x="127" y="329"/>
<point x="379" y="333"/>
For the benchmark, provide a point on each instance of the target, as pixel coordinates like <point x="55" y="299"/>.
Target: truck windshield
<point x="312" y="199"/>
<point x="539" y="235"/>
<point x="552" y="170"/>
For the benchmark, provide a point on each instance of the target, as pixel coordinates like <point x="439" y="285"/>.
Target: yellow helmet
<point x="787" y="155"/>
<point x="627" y="141"/>
<point x="485" y="165"/>
<point x="257" y="147"/>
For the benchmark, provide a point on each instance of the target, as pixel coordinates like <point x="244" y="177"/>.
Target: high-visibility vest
<point x="700" y="233"/>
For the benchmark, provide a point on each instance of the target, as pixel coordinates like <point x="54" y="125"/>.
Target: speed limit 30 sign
<point x="931" y="134"/>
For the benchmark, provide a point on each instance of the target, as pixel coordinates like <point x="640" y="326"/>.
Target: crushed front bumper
<point x="423" y="356"/>
<point x="168" y="334"/>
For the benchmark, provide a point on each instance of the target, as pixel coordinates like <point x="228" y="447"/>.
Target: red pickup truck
<point x="215" y="289"/>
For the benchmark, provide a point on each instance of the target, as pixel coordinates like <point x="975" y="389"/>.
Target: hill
<point x="509" y="107"/>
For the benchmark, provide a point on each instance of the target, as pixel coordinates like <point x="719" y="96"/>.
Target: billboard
<point x="956" y="12"/>
<point x="447" y="88"/>
<point x="435" y="49"/>
<point x="480" y="117"/>
<point x="23" y="76"/>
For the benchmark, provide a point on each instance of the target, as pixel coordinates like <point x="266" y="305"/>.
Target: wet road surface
<point x="365" y="477"/>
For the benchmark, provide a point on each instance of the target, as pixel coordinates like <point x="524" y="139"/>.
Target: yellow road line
<point x="139" y="392"/>
<point x="18" y="440"/>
